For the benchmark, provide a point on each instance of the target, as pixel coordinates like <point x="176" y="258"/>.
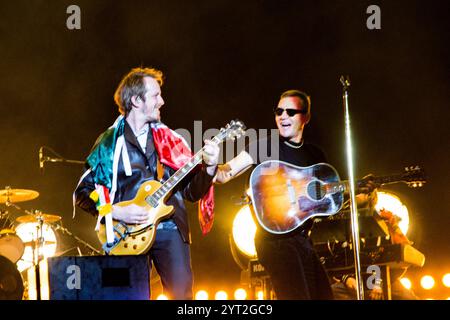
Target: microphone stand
<point x="43" y="160"/>
<point x="345" y="81"/>
<point x="48" y="159"/>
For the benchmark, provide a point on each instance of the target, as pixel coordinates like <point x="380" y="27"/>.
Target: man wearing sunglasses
<point x="290" y="260"/>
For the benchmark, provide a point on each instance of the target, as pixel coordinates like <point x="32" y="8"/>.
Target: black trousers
<point x="294" y="267"/>
<point x="172" y="259"/>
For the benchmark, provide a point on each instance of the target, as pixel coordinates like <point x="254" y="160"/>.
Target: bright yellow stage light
<point x="28" y="233"/>
<point x="427" y="282"/>
<point x="260" y="295"/>
<point x="44" y="285"/>
<point x="406" y="283"/>
<point x="201" y="295"/>
<point x="221" y="295"/>
<point x="244" y="230"/>
<point x="162" y="297"/>
<point x="446" y="280"/>
<point x="240" y="294"/>
<point x="393" y="204"/>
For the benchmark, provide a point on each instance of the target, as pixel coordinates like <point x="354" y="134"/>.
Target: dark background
<point x="225" y="60"/>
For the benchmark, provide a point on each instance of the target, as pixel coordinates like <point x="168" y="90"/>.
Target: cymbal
<point x="17" y="195"/>
<point x="49" y="218"/>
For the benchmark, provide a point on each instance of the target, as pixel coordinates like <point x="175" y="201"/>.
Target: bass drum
<point x="11" y="246"/>
<point x="11" y="283"/>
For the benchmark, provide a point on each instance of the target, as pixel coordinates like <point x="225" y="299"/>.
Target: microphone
<point x="41" y="159"/>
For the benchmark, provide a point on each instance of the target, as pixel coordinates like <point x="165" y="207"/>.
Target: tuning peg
<point x="406" y="169"/>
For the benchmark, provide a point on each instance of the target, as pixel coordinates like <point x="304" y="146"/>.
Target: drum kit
<point x="25" y="241"/>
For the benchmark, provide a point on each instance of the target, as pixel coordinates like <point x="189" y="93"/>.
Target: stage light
<point x="240" y="294"/>
<point x="260" y="295"/>
<point x="446" y="280"/>
<point x="162" y="297"/>
<point x="201" y="295"/>
<point x="427" y="282"/>
<point x="44" y="284"/>
<point x="221" y="295"/>
<point x="28" y="233"/>
<point x="392" y="203"/>
<point x="406" y="283"/>
<point x="244" y="230"/>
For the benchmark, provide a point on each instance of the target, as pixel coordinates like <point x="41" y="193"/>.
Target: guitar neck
<point x="170" y="183"/>
<point x="233" y="129"/>
<point x="344" y="185"/>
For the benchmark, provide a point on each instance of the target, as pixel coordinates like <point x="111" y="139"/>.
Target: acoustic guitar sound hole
<point x="315" y="190"/>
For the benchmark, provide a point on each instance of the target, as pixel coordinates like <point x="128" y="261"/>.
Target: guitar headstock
<point x="414" y="176"/>
<point x="233" y="130"/>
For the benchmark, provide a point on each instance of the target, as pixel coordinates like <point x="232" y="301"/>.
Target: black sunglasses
<point x="290" y="112"/>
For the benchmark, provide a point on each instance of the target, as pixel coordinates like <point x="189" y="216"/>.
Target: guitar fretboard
<point x="170" y="183"/>
<point x="378" y="181"/>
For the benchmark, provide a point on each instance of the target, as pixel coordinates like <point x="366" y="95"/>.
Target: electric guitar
<point x="284" y="196"/>
<point x="138" y="238"/>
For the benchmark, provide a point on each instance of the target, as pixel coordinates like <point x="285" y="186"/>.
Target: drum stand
<point x="37" y="255"/>
<point x="37" y="245"/>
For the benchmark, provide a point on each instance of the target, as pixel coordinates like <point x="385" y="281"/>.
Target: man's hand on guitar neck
<point x="211" y="156"/>
<point x="365" y="195"/>
<point x="366" y="185"/>
<point x="131" y="214"/>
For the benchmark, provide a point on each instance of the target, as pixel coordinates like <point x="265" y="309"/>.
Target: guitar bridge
<point x="120" y="234"/>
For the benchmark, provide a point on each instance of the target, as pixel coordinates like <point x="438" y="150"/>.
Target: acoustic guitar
<point x="284" y="196"/>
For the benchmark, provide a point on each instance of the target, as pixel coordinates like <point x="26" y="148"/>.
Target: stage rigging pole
<point x="345" y="81"/>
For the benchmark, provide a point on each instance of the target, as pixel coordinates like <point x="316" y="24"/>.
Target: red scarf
<point x="174" y="152"/>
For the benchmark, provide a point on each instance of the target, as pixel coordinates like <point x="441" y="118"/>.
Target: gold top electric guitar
<point x="139" y="238"/>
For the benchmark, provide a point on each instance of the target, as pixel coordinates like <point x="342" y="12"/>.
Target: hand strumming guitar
<point x="131" y="214"/>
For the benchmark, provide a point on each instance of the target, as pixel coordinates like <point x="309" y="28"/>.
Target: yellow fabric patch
<point x="94" y="196"/>
<point x="105" y="209"/>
